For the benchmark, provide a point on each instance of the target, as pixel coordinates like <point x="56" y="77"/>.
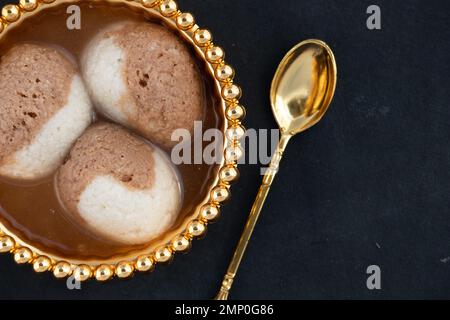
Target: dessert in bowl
<point x="88" y="185"/>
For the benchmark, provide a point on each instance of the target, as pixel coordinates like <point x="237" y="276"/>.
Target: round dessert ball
<point x="142" y="76"/>
<point x="119" y="186"/>
<point x="44" y="108"/>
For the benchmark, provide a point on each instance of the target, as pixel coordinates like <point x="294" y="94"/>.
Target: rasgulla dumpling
<point x="44" y="108"/>
<point x="119" y="186"/>
<point x="141" y="75"/>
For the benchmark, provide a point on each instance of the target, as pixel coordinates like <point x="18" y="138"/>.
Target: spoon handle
<point x="253" y="218"/>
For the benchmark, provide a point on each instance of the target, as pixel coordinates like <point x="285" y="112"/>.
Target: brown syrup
<point x="33" y="210"/>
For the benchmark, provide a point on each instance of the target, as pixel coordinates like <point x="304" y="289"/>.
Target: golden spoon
<point x="301" y="92"/>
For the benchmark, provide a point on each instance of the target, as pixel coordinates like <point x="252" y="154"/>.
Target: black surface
<point x="369" y="185"/>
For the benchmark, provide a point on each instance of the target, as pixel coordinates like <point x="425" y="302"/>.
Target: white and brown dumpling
<point x="142" y="76"/>
<point x="119" y="186"/>
<point x="44" y="108"/>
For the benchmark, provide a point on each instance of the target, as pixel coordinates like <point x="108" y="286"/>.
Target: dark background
<point x="368" y="185"/>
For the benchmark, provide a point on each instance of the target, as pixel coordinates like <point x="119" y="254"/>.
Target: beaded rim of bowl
<point x="208" y="211"/>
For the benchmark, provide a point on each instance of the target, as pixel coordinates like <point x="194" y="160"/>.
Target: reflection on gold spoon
<point x="302" y="90"/>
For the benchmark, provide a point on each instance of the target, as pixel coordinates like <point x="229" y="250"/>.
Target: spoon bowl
<point x="303" y="86"/>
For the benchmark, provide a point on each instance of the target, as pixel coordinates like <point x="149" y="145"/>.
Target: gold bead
<point x="168" y="8"/>
<point x="233" y="153"/>
<point x="235" y="132"/>
<point x="224" y="72"/>
<point x="6" y="244"/>
<point x="163" y="254"/>
<point x="229" y="174"/>
<point x="202" y="37"/>
<point x="41" y="264"/>
<point x="231" y="92"/>
<point x="215" y="54"/>
<point x="82" y="272"/>
<point x="209" y="212"/>
<point x="11" y="12"/>
<point x="185" y="20"/>
<point x="149" y="3"/>
<point x="124" y="269"/>
<point x="220" y="194"/>
<point x="22" y="255"/>
<point x="235" y="112"/>
<point x="180" y="244"/>
<point x="28" y="5"/>
<point x="144" y="263"/>
<point x="196" y="228"/>
<point x="103" y="273"/>
<point x="62" y="269"/>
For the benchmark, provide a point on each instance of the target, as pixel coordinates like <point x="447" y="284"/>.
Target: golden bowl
<point x="194" y="225"/>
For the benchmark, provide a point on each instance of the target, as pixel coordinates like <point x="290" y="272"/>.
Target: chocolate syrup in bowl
<point x="33" y="210"/>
